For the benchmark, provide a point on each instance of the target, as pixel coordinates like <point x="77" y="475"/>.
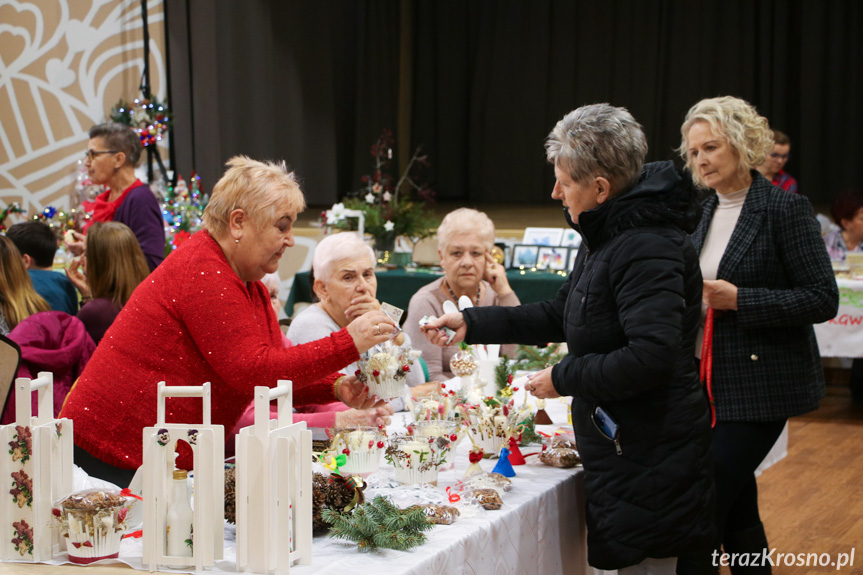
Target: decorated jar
<point x="417" y="459"/>
<point x="92" y="522"/>
<point x="362" y="447"/>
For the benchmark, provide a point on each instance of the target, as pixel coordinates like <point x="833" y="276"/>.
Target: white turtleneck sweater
<point x="718" y="235"/>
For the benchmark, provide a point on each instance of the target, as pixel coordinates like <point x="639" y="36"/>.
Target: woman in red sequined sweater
<point x="203" y="315"/>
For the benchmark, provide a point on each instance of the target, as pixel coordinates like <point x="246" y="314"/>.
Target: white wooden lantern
<point x="37" y="468"/>
<point x="208" y="448"/>
<point x="274" y="487"/>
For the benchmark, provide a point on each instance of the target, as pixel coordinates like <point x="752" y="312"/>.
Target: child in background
<point x="38" y="244"/>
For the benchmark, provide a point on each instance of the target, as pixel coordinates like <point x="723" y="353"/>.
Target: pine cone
<point x="327" y="494"/>
<point x="230" y="495"/>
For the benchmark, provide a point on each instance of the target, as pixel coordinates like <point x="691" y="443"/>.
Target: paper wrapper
<point x="104" y="546"/>
<point x="362" y="462"/>
<point x="414" y="477"/>
<point x="388" y="388"/>
<point x="491" y="445"/>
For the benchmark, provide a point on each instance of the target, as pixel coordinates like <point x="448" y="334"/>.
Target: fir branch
<point x="379" y="523"/>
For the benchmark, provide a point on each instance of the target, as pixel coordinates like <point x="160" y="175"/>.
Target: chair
<point x="284" y="324"/>
<point x="10" y="359"/>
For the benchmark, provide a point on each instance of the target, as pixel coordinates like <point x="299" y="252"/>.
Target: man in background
<point x="772" y="166"/>
<point x="38" y="244"/>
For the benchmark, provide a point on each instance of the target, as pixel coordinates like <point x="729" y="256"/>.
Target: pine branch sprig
<point x="379" y="523"/>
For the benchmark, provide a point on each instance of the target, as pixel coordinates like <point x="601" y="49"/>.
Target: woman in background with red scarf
<point x="112" y="154"/>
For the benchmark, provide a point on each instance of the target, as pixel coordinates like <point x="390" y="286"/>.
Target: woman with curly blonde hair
<point x="767" y="279"/>
<point x="18" y="298"/>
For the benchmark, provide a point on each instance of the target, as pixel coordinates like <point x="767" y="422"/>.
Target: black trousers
<point x="738" y="450"/>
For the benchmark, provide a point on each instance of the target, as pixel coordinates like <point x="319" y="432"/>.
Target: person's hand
<point x="76" y="272"/>
<point x="436" y="335"/>
<point x="539" y="385"/>
<point x="364" y="417"/>
<point x="495" y="275"/>
<point x="370" y="329"/>
<point x="719" y="294"/>
<point x="361" y="304"/>
<point x="425" y="389"/>
<point x="75" y="244"/>
<point x="354" y="393"/>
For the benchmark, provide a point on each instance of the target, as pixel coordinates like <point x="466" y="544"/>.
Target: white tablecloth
<point x="539" y="530"/>
<point x="842" y="336"/>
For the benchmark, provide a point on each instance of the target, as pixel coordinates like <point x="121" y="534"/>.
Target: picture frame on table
<point x="552" y="258"/>
<point x="573" y="254"/>
<point x="542" y="236"/>
<point x="524" y="256"/>
<point x="570" y="239"/>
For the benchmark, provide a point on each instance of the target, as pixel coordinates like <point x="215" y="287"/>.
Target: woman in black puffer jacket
<point x="629" y="313"/>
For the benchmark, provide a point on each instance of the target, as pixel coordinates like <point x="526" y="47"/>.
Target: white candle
<point x="417" y="451"/>
<point x="359" y="439"/>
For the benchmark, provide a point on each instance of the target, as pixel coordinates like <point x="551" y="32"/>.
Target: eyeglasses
<point x="778" y="156"/>
<point x="91" y="154"/>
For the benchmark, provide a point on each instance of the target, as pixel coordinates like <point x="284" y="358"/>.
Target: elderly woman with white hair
<point x="204" y="316"/>
<point x="343" y="268"/>
<point x="629" y="314"/>
<point x="465" y="239"/>
<point x="767" y="279"/>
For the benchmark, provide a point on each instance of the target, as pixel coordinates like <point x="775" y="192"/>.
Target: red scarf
<point x="706" y="366"/>
<point x="103" y="210"/>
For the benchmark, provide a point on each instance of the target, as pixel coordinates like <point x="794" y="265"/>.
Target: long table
<point x="842" y="336"/>
<point x="539" y="530"/>
<point x="398" y="285"/>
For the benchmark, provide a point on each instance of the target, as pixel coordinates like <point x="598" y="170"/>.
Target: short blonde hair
<point x="747" y="132"/>
<point x="338" y="247"/>
<point x="255" y="187"/>
<point x="465" y="221"/>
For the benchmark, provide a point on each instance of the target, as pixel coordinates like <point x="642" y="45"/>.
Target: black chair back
<point x="10" y="359"/>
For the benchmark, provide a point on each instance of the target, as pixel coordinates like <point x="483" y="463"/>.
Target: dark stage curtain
<point x="315" y="82"/>
<point x="312" y="83"/>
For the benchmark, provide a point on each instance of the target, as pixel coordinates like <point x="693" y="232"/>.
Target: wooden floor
<point x="812" y="501"/>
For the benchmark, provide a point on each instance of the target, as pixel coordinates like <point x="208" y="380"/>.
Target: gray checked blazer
<point x="766" y="364"/>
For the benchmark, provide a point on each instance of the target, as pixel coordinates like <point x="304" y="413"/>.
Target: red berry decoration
<point x="380" y="444"/>
<point x="544" y="447"/>
<point x="357" y="373"/>
<point x="57" y="513"/>
<point x="509" y="378"/>
<point x="453" y="437"/>
<point x="431" y="439"/>
<point x="376" y="373"/>
<point x="346" y="451"/>
<point x="406" y="368"/>
<point x="371" y="443"/>
<point x="515" y="389"/>
<point x="475" y="456"/>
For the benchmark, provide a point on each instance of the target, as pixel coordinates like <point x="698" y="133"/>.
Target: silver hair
<point x="462" y="221"/>
<point x="336" y="248"/>
<point x="598" y="140"/>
